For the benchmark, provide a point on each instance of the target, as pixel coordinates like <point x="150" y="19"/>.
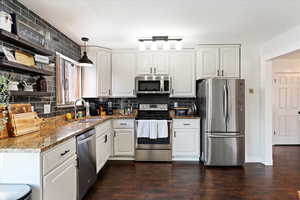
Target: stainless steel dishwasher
<point x="86" y="150"/>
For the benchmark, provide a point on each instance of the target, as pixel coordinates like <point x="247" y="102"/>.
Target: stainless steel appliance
<point x="86" y="151"/>
<point x="222" y="108"/>
<point x="159" y="149"/>
<point x="153" y="84"/>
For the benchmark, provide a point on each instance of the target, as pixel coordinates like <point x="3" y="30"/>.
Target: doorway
<point x="286" y="99"/>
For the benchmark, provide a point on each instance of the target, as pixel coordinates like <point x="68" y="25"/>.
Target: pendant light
<point x="84" y="61"/>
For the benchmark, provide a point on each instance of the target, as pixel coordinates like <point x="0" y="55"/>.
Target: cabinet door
<point x="104" y="74"/>
<point x="144" y="63"/>
<point x="186" y="142"/>
<point x="182" y="65"/>
<point x="61" y="183"/>
<point x="124" y="142"/>
<point x="100" y="152"/>
<point x="160" y="62"/>
<point x="207" y="62"/>
<point x="89" y="76"/>
<point x="123" y="74"/>
<point x="230" y="62"/>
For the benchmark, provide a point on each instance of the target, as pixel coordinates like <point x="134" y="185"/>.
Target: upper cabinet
<point x="96" y="81"/>
<point x="152" y="62"/>
<point x="182" y="68"/>
<point x="123" y="74"/>
<point x="218" y="61"/>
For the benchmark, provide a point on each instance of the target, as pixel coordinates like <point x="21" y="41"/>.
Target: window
<point x="68" y="80"/>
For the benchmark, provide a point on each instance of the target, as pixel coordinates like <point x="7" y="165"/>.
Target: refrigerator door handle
<point x="224" y="103"/>
<point x="226" y="136"/>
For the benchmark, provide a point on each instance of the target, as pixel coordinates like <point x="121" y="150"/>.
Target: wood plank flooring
<point x="191" y="181"/>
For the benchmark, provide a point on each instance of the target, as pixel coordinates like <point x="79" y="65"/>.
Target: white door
<point x="186" y="143"/>
<point x="208" y="62"/>
<point x="182" y="66"/>
<point x="230" y="62"/>
<point x="100" y="152"/>
<point x="61" y="183"/>
<point x="89" y="76"/>
<point x="286" y="108"/>
<point x="144" y="63"/>
<point x="160" y="62"/>
<point x="124" y="142"/>
<point x="104" y="74"/>
<point x="123" y="74"/>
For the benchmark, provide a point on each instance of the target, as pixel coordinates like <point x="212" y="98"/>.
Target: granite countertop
<point x="173" y="116"/>
<point x="52" y="133"/>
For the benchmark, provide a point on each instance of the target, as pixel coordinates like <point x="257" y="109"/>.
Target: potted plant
<point x="4" y="98"/>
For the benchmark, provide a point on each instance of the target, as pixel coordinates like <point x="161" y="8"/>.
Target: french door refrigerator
<point x="221" y="103"/>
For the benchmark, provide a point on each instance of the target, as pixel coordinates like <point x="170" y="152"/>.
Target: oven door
<point x="155" y="144"/>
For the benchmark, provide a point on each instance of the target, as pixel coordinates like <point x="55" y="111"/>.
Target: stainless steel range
<point x="154" y="134"/>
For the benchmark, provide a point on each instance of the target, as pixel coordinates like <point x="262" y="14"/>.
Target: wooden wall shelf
<point x="18" y="41"/>
<point x="16" y="67"/>
<point x="32" y="94"/>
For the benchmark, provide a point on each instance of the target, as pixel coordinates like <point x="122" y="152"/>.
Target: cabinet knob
<point x="174" y="134"/>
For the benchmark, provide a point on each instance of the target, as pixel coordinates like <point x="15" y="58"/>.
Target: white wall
<point x="282" y="44"/>
<point x="251" y="73"/>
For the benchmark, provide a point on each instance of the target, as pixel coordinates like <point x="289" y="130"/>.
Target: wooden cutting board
<point x="22" y="120"/>
<point x="24" y="123"/>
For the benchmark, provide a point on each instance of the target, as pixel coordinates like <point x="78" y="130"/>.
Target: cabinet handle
<point x="109" y="92"/>
<point x="150" y="70"/>
<point x="123" y="124"/>
<point x="186" y="124"/>
<point x="222" y="72"/>
<point x="172" y="91"/>
<point x="174" y="134"/>
<point x="218" y="73"/>
<point x="64" y="153"/>
<point x="154" y="70"/>
<point x="114" y="133"/>
<point x="105" y="141"/>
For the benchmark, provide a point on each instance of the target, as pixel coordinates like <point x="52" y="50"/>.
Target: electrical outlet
<point x="47" y="108"/>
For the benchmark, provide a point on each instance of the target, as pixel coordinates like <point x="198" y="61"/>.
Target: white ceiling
<point x="118" y="23"/>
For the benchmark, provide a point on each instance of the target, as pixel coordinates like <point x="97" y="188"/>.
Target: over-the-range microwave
<point x="153" y="84"/>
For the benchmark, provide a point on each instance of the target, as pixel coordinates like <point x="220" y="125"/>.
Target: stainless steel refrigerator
<point x="221" y="104"/>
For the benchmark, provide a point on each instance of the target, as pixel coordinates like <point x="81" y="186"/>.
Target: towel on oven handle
<point x="143" y="128"/>
<point x="162" y="129"/>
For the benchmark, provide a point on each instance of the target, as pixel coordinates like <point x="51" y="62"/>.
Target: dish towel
<point x="162" y="129"/>
<point x="153" y="129"/>
<point x="143" y="129"/>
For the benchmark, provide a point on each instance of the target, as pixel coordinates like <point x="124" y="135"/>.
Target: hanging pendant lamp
<point x="84" y="61"/>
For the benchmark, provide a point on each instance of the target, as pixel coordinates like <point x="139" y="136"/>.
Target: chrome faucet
<point x="75" y="106"/>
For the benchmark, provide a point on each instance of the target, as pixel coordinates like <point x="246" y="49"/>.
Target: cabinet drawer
<point x="103" y="128"/>
<point x="186" y="123"/>
<point x="123" y="124"/>
<point x="58" y="155"/>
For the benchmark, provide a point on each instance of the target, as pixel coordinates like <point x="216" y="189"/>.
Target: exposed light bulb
<point x="154" y="46"/>
<point x="166" y="45"/>
<point x="178" y="45"/>
<point x="142" y="46"/>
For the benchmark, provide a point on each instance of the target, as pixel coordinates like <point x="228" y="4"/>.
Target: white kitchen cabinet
<point x="61" y="183"/>
<point x="96" y="80"/>
<point x="100" y="152"/>
<point x="218" y="61"/>
<point x="230" y="62"/>
<point x="182" y="67"/>
<point x="104" y="74"/>
<point x="123" y="74"/>
<point x="152" y="62"/>
<point x="123" y="142"/>
<point x="186" y="139"/>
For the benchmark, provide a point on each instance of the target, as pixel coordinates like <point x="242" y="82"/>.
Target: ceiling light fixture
<point x="84" y="61"/>
<point x="164" y="42"/>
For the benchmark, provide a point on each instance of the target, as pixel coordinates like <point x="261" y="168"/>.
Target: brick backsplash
<point x="59" y="42"/>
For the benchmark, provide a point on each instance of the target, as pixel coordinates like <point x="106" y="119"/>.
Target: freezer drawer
<point x="225" y="151"/>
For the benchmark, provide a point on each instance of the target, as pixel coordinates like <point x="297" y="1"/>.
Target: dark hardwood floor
<point x="185" y="181"/>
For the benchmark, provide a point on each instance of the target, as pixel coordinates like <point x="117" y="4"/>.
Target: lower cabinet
<point x="186" y="141"/>
<point x="61" y="183"/>
<point x="124" y="142"/>
<point x="103" y="144"/>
